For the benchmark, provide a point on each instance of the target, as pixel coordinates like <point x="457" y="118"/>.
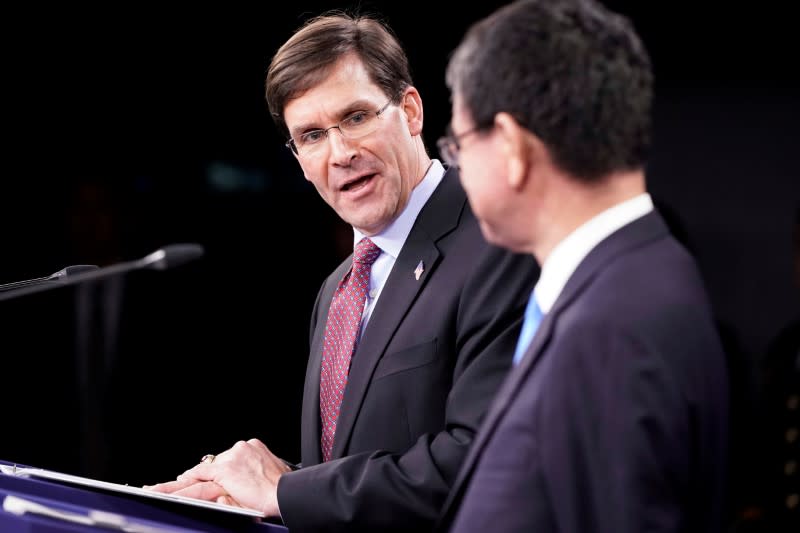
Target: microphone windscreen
<point x="178" y="254"/>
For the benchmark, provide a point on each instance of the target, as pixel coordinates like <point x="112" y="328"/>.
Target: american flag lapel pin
<point x="419" y="270"/>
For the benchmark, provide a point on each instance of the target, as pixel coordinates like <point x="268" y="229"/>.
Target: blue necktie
<point x="533" y="317"/>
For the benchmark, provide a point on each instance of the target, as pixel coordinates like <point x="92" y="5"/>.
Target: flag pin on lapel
<point x="419" y="270"/>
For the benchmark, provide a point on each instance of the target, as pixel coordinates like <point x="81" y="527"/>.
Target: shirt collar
<point x="568" y="254"/>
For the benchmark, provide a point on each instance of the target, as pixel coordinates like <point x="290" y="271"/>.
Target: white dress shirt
<point x="568" y="254"/>
<point x="392" y="238"/>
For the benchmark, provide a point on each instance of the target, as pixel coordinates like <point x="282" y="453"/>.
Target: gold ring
<point x="208" y="458"/>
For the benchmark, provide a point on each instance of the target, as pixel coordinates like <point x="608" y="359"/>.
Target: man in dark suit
<point x="385" y="424"/>
<point x="614" y="418"/>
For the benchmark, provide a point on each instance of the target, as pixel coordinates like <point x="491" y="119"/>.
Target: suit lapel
<point x="498" y="407"/>
<point x="439" y="217"/>
<point x="635" y="234"/>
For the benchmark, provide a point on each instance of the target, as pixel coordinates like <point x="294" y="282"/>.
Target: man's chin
<point x="369" y="226"/>
<point x="491" y="235"/>
<point x="499" y="238"/>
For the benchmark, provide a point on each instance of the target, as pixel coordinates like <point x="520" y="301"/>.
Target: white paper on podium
<point x="127" y="489"/>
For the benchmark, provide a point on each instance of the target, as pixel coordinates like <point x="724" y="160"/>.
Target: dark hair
<point x="310" y="54"/>
<point x="570" y="71"/>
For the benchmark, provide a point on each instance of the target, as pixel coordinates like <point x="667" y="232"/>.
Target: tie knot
<point x="366" y="252"/>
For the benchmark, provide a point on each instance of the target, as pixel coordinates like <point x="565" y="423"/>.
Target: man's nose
<point x="343" y="150"/>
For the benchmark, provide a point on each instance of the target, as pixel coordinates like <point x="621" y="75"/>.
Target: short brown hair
<point x="307" y="57"/>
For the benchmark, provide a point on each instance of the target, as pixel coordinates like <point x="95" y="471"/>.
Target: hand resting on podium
<point x="246" y="475"/>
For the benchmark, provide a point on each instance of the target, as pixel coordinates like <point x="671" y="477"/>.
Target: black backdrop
<point x="131" y="127"/>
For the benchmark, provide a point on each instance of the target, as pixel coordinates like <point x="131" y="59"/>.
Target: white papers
<point x="127" y="489"/>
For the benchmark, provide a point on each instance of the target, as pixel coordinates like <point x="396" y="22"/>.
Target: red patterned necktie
<point x="341" y="337"/>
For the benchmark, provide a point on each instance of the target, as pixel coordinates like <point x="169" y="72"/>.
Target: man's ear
<point x="513" y="148"/>
<point x="411" y="104"/>
<point x="521" y="148"/>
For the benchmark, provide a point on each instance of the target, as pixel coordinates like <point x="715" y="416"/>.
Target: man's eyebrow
<point x="356" y="105"/>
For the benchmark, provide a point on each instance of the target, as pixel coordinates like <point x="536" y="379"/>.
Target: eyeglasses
<point x="353" y="126"/>
<point x="449" y="146"/>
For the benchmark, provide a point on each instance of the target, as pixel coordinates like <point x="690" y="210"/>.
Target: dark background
<point x="132" y="127"/>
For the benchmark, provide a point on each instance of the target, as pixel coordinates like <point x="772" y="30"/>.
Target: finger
<point x="227" y="500"/>
<point x="194" y="475"/>
<point x="258" y="445"/>
<point x="171" y="486"/>
<point x="205" y="490"/>
<point x="200" y="472"/>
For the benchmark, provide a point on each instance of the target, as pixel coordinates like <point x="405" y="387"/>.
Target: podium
<point x="113" y="511"/>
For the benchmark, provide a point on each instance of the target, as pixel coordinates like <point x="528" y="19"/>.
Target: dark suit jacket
<point x="432" y="356"/>
<point x="615" y="421"/>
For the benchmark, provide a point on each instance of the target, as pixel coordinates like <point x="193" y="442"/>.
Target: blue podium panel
<point x="34" y="514"/>
<point x="92" y="509"/>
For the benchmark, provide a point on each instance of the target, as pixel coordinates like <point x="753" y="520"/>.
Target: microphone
<point x="55" y="276"/>
<point x="165" y="257"/>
